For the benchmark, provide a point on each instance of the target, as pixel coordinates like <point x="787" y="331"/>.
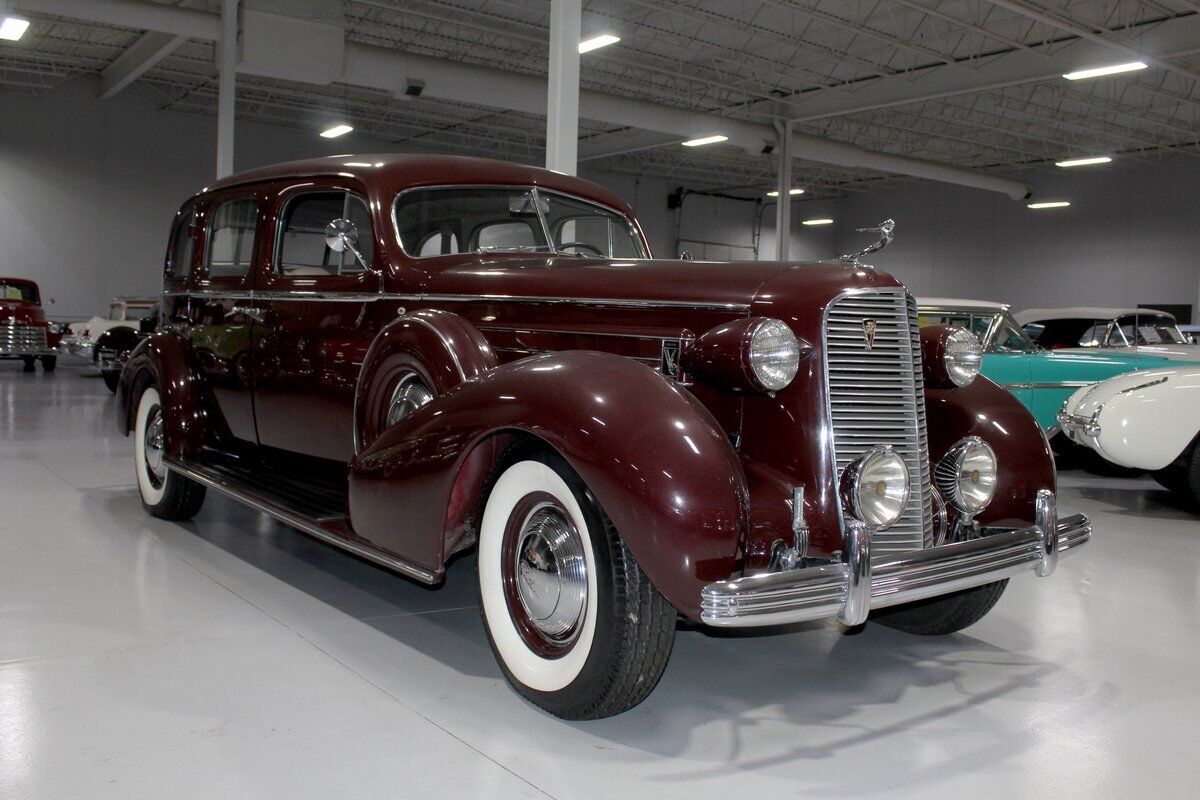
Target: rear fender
<point x="118" y="339"/>
<point x="441" y="346"/>
<point x="162" y="360"/>
<point x="655" y="459"/>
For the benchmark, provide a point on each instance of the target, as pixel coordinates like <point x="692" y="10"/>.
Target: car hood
<point x="20" y="313"/>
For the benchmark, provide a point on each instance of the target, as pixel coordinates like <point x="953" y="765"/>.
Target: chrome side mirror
<point x="342" y="235"/>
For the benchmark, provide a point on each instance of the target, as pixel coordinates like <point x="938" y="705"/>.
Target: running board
<point x="334" y="531"/>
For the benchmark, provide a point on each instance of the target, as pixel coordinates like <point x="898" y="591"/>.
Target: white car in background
<point x="123" y="312"/>
<point x="1084" y="328"/>
<point x="1143" y="420"/>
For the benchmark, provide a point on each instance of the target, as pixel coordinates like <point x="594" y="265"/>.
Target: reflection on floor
<point x="231" y="657"/>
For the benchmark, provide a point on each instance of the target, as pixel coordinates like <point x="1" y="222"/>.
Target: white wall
<point x="1131" y="235"/>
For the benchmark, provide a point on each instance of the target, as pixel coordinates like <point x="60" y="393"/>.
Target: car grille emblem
<point x="869" y="326"/>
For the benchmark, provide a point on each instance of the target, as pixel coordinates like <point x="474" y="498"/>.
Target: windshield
<point x="21" y="292"/>
<point x="438" y="222"/>
<point x="977" y="322"/>
<point x="1147" y="329"/>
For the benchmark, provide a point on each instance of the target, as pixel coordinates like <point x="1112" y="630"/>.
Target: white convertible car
<point x="1145" y="420"/>
<point x="1144" y="330"/>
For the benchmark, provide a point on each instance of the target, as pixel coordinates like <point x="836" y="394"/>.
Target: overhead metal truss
<point x="938" y="61"/>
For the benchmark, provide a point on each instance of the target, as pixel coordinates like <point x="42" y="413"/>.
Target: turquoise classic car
<point x="1041" y="379"/>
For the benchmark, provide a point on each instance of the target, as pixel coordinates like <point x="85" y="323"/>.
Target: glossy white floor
<point x="231" y="657"/>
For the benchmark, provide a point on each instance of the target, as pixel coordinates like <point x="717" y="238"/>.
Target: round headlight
<point x="875" y="487"/>
<point x="963" y="356"/>
<point x="966" y="476"/>
<point x="774" y="354"/>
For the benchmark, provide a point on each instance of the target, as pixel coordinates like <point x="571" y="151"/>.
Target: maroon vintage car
<point x="415" y="357"/>
<point x="24" y="331"/>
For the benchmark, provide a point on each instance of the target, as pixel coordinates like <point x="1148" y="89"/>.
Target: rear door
<point x="316" y="309"/>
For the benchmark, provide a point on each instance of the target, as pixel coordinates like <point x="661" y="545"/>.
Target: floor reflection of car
<point x="1040" y="378"/>
<point x="1144" y="330"/>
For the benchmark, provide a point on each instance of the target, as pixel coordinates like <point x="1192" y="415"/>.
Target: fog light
<point x="966" y="476"/>
<point x="875" y="487"/>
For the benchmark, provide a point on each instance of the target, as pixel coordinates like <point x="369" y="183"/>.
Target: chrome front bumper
<point x="851" y="589"/>
<point x="79" y="348"/>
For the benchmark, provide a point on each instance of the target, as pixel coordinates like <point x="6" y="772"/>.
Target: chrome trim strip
<point x="301" y="523"/>
<point x="356" y="297"/>
<point x="823" y="591"/>
<point x="1048" y="385"/>
<point x="580" y="332"/>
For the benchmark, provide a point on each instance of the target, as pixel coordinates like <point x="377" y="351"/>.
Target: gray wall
<point x="88" y="189"/>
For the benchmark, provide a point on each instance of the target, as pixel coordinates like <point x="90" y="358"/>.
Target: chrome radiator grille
<point x="17" y="339"/>
<point x="877" y="397"/>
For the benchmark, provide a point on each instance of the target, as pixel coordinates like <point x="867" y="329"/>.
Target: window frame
<point x="634" y="227"/>
<point x="281" y="215"/>
<point x="210" y="215"/>
<point x="185" y="220"/>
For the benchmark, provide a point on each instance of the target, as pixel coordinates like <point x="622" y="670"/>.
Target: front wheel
<point x="165" y="493"/>
<point x="575" y="624"/>
<point x="49" y="363"/>
<point x="29" y="362"/>
<point x="112" y="380"/>
<point x="939" y="616"/>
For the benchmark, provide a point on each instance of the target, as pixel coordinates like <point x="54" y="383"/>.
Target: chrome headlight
<point x="966" y="476"/>
<point x="774" y="354"/>
<point x="875" y="487"/>
<point x="963" y="357"/>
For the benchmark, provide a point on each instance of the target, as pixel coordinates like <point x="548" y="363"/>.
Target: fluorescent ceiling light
<point x="703" y="140"/>
<point x="818" y="221"/>
<point x="337" y="130"/>
<point x="1083" y="162"/>
<point x="596" y="42"/>
<point x="13" y="28"/>
<point x="1096" y="72"/>
<point x="775" y="192"/>
<point x="1050" y="204"/>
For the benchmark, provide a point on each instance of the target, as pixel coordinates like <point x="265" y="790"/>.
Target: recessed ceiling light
<point x="13" y="28"/>
<point x="1049" y="204"/>
<point x="818" y="221"/>
<point x="1097" y="72"/>
<point x="337" y="130"/>
<point x="596" y="42"/>
<point x="775" y="192"/>
<point x="1083" y="162"/>
<point x="703" y="140"/>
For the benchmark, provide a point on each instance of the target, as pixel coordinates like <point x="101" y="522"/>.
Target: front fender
<point x="1146" y="420"/>
<point x="1023" y="455"/>
<point x="117" y="339"/>
<point x="655" y="459"/>
<point x="162" y="360"/>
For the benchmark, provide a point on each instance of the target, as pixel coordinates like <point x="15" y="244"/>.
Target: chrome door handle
<point x="255" y="314"/>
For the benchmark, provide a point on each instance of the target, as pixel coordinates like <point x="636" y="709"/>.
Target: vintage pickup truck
<point x="25" y="333"/>
<point x="416" y="358"/>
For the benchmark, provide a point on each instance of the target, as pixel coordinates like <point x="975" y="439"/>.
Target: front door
<point x="219" y="326"/>
<point x="315" y="305"/>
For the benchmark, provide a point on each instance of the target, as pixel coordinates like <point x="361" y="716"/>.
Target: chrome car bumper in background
<point x="73" y="346"/>
<point x="851" y="589"/>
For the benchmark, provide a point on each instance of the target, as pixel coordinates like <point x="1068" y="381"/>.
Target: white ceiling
<point x="973" y="83"/>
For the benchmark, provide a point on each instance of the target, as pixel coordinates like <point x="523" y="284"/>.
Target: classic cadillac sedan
<point x="417" y="358"/>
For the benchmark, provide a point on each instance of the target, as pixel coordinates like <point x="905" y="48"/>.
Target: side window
<point x="438" y="243"/>
<point x="302" y="248"/>
<point x="183" y="247"/>
<point x="1009" y="339"/>
<point x="231" y="238"/>
<point x="505" y="235"/>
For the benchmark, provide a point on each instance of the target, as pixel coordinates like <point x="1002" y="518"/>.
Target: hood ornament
<point x="886" y="231"/>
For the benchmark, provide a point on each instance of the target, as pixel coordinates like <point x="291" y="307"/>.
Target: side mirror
<point x="342" y="235"/>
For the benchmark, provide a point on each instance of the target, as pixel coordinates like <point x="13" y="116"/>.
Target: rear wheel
<point x="575" y="624"/>
<point x="939" y="616"/>
<point x="165" y="493"/>
<point x="49" y="363"/>
<point x="111" y="380"/>
<point x="1173" y="478"/>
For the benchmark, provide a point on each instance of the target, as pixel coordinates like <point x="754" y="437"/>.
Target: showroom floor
<point x="230" y="657"/>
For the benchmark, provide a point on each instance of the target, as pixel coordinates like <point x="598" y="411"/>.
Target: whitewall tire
<point x="165" y="493"/>
<point x="573" y="621"/>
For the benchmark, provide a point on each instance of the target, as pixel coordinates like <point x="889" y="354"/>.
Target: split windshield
<point x="438" y="222"/>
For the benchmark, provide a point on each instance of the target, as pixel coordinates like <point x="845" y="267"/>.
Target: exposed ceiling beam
<point x="141" y="56"/>
<point x="1169" y="38"/>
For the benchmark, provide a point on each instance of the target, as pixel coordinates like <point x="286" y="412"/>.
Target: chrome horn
<point x="886" y="231"/>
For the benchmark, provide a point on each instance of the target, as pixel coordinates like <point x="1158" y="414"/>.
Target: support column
<point x="226" y="85"/>
<point x="783" y="183"/>
<point x="562" y="105"/>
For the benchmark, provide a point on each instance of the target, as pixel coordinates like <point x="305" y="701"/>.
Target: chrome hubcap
<point x="552" y="573"/>
<point x="410" y="394"/>
<point x="152" y="447"/>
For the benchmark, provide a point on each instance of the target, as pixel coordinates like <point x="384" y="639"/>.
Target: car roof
<point x="396" y="172"/>
<point x="1082" y="312"/>
<point x="955" y="303"/>
<point x="25" y="281"/>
